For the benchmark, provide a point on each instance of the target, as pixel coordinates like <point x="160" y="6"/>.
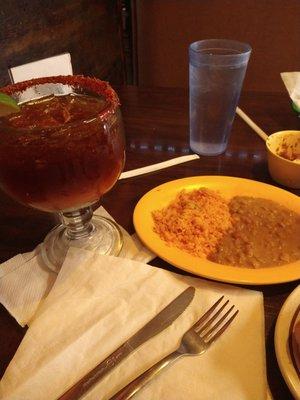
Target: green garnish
<point x="295" y="108"/>
<point x="7" y="105"/>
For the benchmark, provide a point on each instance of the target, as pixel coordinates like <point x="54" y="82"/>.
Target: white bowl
<point x="280" y="146"/>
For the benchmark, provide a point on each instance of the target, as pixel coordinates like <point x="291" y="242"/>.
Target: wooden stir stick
<point x="252" y="124"/>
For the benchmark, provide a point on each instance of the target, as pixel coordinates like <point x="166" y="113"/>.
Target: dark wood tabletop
<point x="156" y="125"/>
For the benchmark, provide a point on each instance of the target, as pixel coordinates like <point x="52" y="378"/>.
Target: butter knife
<point x="160" y="322"/>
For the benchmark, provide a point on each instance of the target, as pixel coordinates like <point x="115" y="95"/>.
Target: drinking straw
<point x="158" y="166"/>
<point x="252" y="124"/>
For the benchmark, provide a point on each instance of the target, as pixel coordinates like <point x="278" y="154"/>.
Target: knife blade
<point x="156" y="325"/>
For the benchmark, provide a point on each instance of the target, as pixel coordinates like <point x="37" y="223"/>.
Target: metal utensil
<point x="194" y="342"/>
<point x="152" y="328"/>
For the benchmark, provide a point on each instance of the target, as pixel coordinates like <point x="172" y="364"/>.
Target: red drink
<point x="61" y="152"/>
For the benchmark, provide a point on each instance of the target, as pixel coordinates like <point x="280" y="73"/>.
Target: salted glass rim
<point x="94" y="85"/>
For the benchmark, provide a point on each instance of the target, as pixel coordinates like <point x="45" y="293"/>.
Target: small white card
<point x="51" y="66"/>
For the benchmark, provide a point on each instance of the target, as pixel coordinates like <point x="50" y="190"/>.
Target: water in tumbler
<point x="214" y="95"/>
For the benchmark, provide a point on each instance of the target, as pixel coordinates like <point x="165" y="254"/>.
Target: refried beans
<point x="244" y="232"/>
<point x="263" y="233"/>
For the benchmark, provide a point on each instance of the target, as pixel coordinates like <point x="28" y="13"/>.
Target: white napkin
<point x="97" y="302"/>
<point x="292" y="84"/>
<point x="25" y="281"/>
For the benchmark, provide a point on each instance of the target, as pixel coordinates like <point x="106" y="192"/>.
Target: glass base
<point x="208" y="149"/>
<point x="105" y="238"/>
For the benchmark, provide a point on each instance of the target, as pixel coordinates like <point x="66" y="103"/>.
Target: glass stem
<point x="78" y="223"/>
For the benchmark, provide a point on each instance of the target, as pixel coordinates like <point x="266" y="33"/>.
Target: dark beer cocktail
<point x="60" y="152"/>
<point x="57" y="154"/>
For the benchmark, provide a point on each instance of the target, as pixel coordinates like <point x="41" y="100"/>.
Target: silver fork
<point x="194" y="342"/>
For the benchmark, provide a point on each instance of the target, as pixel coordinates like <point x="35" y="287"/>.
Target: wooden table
<point x="156" y="124"/>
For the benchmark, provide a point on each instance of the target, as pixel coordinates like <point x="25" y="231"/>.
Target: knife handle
<point x="89" y="380"/>
<point x="138" y="383"/>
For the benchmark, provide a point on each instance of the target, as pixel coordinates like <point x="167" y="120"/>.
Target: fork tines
<point x="212" y="324"/>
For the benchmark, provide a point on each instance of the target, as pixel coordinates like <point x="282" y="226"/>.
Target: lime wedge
<point x="295" y="108"/>
<point x="7" y="105"/>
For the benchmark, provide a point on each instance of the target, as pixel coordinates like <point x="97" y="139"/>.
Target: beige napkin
<point x="25" y="282"/>
<point x="97" y="302"/>
<point x="291" y="81"/>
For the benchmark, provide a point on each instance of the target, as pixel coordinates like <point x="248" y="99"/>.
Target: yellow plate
<point x="281" y="340"/>
<point x="228" y="187"/>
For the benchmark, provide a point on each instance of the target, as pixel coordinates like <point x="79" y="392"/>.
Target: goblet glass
<point x="61" y="153"/>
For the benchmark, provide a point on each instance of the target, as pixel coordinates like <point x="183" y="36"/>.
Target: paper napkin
<point x="291" y="81"/>
<point x="25" y="281"/>
<point x="97" y="302"/>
